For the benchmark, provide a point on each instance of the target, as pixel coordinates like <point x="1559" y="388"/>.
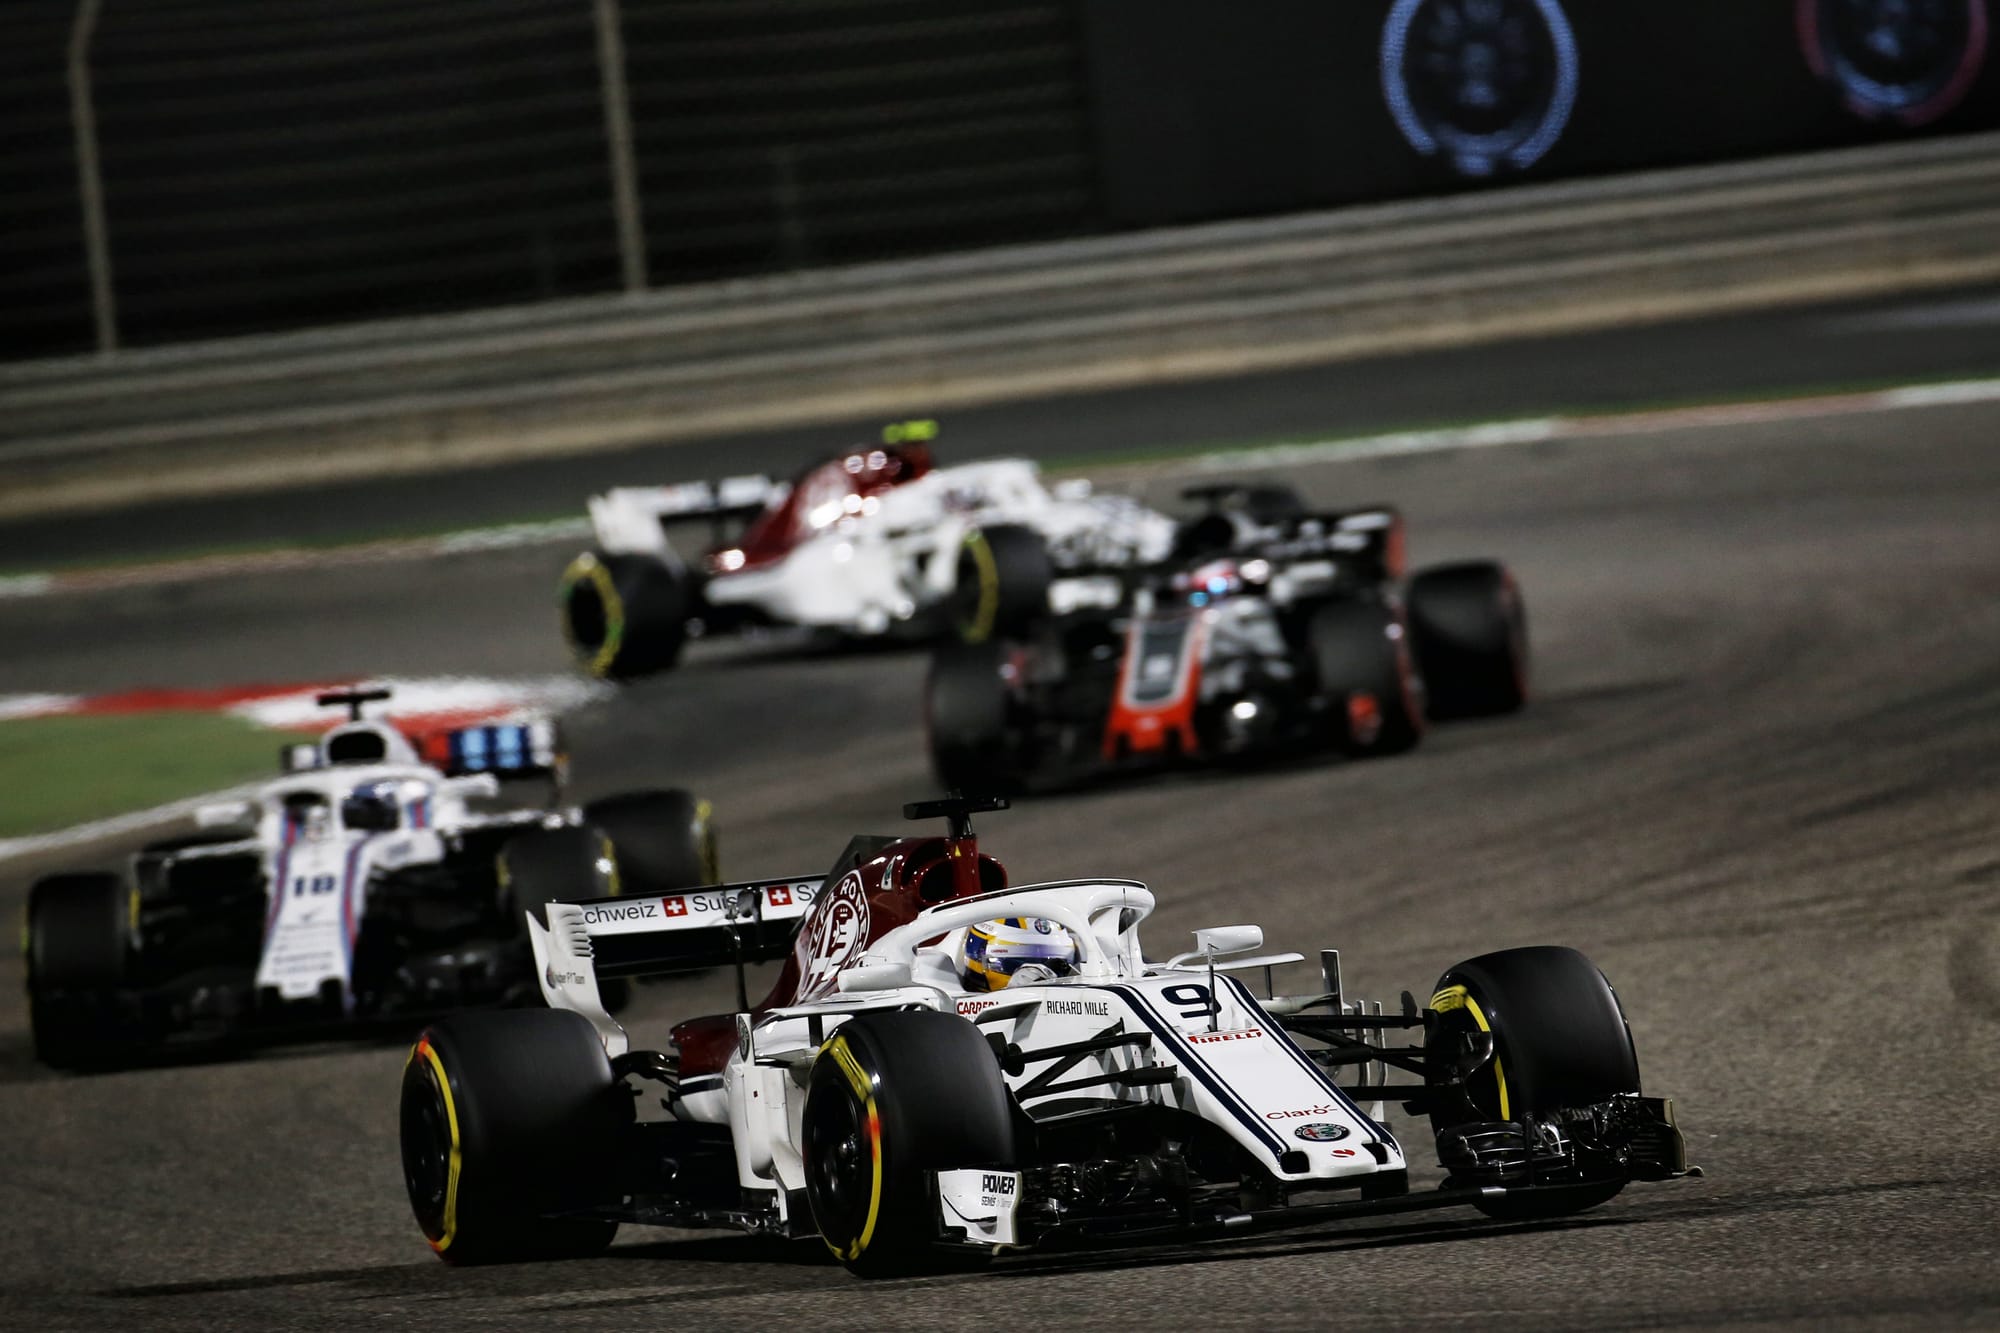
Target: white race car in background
<point x="872" y="541"/>
<point x="879" y="1101"/>
<point x="374" y="879"/>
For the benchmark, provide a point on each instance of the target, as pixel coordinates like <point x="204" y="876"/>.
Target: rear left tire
<point x="78" y="947"/>
<point x="1001" y="584"/>
<point x="624" y="616"/>
<point x="506" y="1117"/>
<point x="1361" y="652"/>
<point x="661" y="841"/>
<point x="1470" y="628"/>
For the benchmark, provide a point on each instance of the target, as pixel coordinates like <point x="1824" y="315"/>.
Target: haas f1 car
<point x="362" y="885"/>
<point x="950" y="1065"/>
<point x="877" y="540"/>
<point x="1271" y="629"/>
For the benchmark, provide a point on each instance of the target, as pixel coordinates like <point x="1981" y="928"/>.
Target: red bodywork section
<point x="1141" y="725"/>
<point x="875" y="897"/>
<point x="844" y="483"/>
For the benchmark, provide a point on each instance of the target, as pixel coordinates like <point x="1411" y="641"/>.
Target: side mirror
<point x="225" y="814"/>
<point x="1216" y="941"/>
<point x="299" y="757"/>
<point x="1228" y="939"/>
<point x="476" y="784"/>
<point x="873" y="977"/>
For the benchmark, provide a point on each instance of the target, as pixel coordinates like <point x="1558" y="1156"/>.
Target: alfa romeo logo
<point x="1906" y="60"/>
<point x="1487" y="84"/>
<point x="833" y="934"/>
<point x="1320" y="1133"/>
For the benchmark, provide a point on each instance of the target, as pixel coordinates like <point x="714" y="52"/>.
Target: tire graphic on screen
<point x="1488" y="85"/>
<point x="1905" y="60"/>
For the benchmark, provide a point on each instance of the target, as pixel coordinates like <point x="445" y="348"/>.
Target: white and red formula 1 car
<point x="873" y="541"/>
<point x="949" y="1065"/>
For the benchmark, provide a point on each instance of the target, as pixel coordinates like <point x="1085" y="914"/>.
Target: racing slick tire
<point x="555" y="865"/>
<point x="1560" y="1040"/>
<point x="624" y="616"/>
<point x="1361" y="654"/>
<point x="78" y="942"/>
<point x="660" y="840"/>
<point x="1471" y="634"/>
<point x="507" y="1116"/>
<point x="967" y="720"/>
<point x="1001" y="584"/>
<point x="895" y="1095"/>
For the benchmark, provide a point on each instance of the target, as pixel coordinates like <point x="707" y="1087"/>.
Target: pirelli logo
<point x="1241" y="1034"/>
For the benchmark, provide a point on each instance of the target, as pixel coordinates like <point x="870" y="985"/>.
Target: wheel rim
<point x="839" y="1165"/>
<point x="426" y="1135"/>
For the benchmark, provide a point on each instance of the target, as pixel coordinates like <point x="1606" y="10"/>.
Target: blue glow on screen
<point x="1472" y="153"/>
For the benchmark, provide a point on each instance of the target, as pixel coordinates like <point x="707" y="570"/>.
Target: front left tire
<point x="1560" y="1041"/>
<point x="969" y="710"/>
<point x="893" y="1096"/>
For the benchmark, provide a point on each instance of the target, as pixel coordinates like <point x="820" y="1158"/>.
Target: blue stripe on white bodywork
<point x="1191" y="1061"/>
<point x="1284" y="1039"/>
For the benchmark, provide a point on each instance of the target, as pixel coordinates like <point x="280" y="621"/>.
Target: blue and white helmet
<point x="995" y="951"/>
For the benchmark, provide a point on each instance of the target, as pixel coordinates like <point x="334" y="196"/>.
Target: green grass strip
<point x="59" y="771"/>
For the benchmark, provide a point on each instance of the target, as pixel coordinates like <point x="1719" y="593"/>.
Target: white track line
<point x="118" y="825"/>
<point x="1483" y="435"/>
<point x="1541" y="430"/>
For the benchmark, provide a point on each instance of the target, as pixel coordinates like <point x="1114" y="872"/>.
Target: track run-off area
<point x="1759" y="784"/>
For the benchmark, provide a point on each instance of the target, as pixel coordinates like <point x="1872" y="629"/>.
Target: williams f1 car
<point x="1271" y="629"/>
<point x="950" y="1065"/>
<point x="877" y="540"/>
<point x="374" y="879"/>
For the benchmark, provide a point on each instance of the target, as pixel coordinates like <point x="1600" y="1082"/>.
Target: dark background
<point x="298" y="162"/>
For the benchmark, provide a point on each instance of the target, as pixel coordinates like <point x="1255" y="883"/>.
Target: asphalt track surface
<point x="1758" y="785"/>
<point x="1781" y="351"/>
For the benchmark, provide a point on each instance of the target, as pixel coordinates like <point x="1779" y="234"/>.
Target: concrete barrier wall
<point x="298" y="163"/>
<point x="928" y="335"/>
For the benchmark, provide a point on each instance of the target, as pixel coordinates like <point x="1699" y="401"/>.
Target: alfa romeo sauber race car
<point x="1271" y="628"/>
<point x="950" y="1065"/>
<point x="373" y="879"/>
<point x="875" y="540"/>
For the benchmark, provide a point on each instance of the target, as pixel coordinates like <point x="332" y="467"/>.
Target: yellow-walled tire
<point x="506" y="1117"/>
<point x="1560" y="1041"/>
<point x="663" y="840"/>
<point x="892" y="1097"/>
<point x="624" y="616"/>
<point x="1000" y="584"/>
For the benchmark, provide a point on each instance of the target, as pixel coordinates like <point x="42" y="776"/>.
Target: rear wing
<point x="1373" y="536"/>
<point x="632" y="520"/>
<point x="1318" y="546"/>
<point x="714" y="926"/>
<point x="504" y="749"/>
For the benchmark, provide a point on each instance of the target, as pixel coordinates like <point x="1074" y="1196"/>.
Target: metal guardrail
<point x="424" y="393"/>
